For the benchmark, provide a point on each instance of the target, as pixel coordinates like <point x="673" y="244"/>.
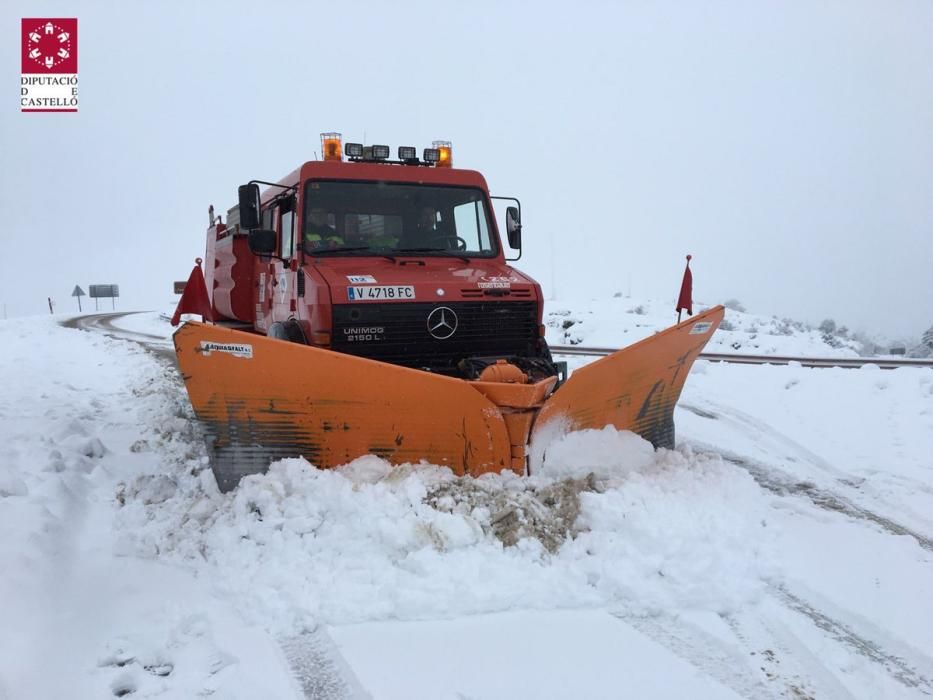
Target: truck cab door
<point x="283" y="277"/>
<point x="264" y="275"/>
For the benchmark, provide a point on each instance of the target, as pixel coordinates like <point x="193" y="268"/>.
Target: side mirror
<point x="261" y="241"/>
<point x="513" y="227"/>
<point x="250" y="206"/>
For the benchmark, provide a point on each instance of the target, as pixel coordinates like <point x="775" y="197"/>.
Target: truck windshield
<point x="355" y="218"/>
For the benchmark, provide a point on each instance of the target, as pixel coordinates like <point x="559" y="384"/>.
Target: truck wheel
<point x="277" y="331"/>
<point x="291" y="331"/>
<point x="294" y="332"/>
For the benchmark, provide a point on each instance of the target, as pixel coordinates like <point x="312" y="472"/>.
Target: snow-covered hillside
<point x="785" y="549"/>
<point x="618" y="321"/>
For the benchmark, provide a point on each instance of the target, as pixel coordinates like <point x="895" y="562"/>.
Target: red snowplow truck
<point x="365" y="305"/>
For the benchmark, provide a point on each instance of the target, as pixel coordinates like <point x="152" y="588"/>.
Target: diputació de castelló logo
<point x="50" y="65"/>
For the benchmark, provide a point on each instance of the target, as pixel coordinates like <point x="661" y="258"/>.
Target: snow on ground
<point x="79" y="620"/>
<point x="538" y="668"/>
<point x="868" y="431"/>
<point x="154" y="324"/>
<point x="619" y="321"/>
<point x="785" y="549"/>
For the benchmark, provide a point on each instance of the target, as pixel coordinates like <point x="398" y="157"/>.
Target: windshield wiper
<point x="350" y="249"/>
<point x="446" y="253"/>
<point x="339" y="249"/>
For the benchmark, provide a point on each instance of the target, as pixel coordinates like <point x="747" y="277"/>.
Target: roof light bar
<point x="330" y="146"/>
<point x="333" y="148"/>
<point x="445" y="154"/>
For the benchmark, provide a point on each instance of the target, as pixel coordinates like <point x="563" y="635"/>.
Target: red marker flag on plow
<point x="685" y="300"/>
<point x="194" y="299"/>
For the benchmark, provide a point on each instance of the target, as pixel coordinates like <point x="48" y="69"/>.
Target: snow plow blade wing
<point x="263" y="399"/>
<point x="635" y="388"/>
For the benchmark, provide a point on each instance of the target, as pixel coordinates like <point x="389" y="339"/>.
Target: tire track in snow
<point x="782" y="483"/>
<point x="160" y="346"/>
<point x="783" y="657"/>
<point x="768" y="660"/>
<point x="319" y="669"/>
<point x="703" y="651"/>
<point x="752" y="426"/>
<point x="899" y="668"/>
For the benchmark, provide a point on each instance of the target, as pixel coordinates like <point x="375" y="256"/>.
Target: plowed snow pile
<point x="620" y="525"/>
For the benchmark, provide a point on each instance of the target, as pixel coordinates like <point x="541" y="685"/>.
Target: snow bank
<point x="79" y="414"/>
<point x="298" y="545"/>
<point x="619" y="321"/>
<point x="608" y="454"/>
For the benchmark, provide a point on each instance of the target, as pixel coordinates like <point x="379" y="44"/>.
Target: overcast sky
<point x="788" y="145"/>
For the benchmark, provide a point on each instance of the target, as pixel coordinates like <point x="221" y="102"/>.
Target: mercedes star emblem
<point x="442" y="323"/>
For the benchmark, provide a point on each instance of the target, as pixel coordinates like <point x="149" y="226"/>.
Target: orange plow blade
<point x="263" y="399"/>
<point x="634" y="388"/>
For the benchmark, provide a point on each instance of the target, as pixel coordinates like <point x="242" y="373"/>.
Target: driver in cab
<point x="430" y="231"/>
<point x="427" y="223"/>
<point x="319" y="234"/>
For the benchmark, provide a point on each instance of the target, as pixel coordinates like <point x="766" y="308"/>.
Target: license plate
<point x="380" y="293"/>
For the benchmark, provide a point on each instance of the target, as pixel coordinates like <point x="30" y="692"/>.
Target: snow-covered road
<point x="784" y="550"/>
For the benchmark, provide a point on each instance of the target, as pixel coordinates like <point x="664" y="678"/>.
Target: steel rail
<point x="844" y="362"/>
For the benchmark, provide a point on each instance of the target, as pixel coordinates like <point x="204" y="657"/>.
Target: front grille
<point x="398" y="333"/>
<point x="496" y="292"/>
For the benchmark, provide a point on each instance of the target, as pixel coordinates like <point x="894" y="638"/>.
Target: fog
<point x="787" y="146"/>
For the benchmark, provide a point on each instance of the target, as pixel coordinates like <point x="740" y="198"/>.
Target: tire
<point x="294" y="332"/>
<point x="290" y="331"/>
<point x="277" y="331"/>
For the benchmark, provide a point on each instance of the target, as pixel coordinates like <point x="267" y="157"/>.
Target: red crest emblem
<point x="50" y="45"/>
